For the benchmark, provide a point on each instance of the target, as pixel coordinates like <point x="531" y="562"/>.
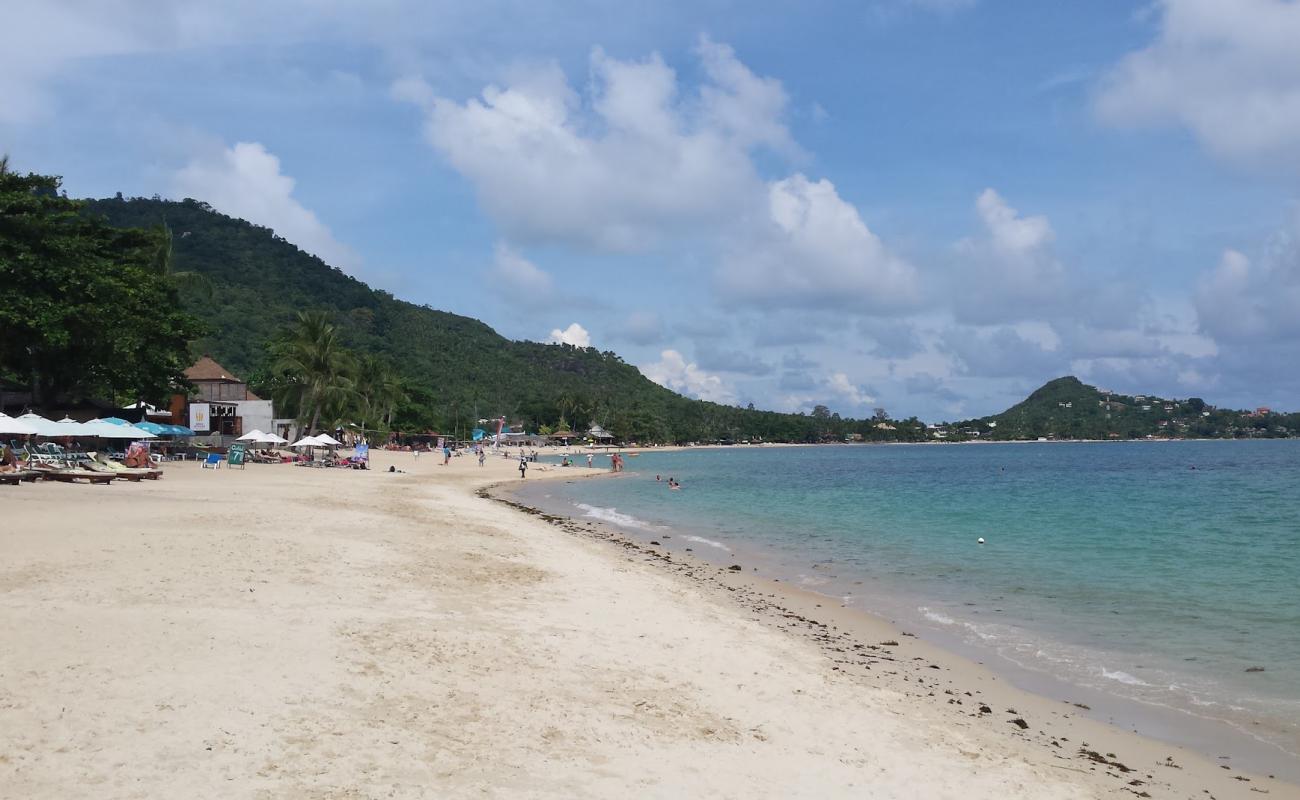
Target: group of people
<point x="672" y="482"/>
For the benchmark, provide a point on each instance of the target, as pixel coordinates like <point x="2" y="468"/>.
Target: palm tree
<point x="317" y="368"/>
<point x="380" y="390"/>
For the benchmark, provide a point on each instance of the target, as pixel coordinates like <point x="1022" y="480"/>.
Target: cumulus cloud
<point x="633" y="160"/>
<point x="1011" y="272"/>
<point x="575" y="335"/>
<point x="1228" y="72"/>
<point x="674" y="372"/>
<point x="1241" y="301"/>
<point x="245" y="181"/>
<point x="847" y="390"/>
<point x="812" y="249"/>
<point x="519" y="274"/>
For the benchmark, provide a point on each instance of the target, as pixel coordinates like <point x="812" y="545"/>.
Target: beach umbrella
<point x="308" y="441"/>
<point x="177" y="430"/>
<point x="70" y="427"/>
<point x="16" y="427"/>
<point x="104" y="429"/>
<point x="251" y="436"/>
<point x="152" y="427"/>
<point x="327" y="440"/>
<point x="43" y="426"/>
<point x="271" y="438"/>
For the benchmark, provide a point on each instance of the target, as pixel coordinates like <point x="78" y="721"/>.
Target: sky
<point x="926" y="206"/>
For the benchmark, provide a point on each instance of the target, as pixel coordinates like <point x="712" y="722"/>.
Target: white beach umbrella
<point x="270" y="438"/>
<point x="16" y="427"/>
<point x="70" y="427"/>
<point x="307" y="441"/>
<point x="43" y="426"/>
<point x="251" y="436"/>
<point x="326" y="439"/>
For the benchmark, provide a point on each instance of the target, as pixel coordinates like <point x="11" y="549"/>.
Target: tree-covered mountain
<point x="454" y="369"/>
<point x="1067" y="408"/>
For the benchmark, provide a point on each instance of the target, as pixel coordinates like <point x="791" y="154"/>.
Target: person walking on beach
<point x="482" y="456"/>
<point x="589" y="458"/>
<point x="523" y="465"/>
<point x="446" y="454"/>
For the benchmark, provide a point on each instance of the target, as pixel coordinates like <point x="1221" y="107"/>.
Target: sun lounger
<point x="74" y="475"/>
<point x="213" y="461"/>
<point x="101" y="463"/>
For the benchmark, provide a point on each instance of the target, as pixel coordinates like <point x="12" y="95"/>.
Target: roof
<point x="205" y="369"/>
<point x="208" y="370"/>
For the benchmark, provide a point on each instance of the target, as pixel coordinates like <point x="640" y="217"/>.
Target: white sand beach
<point x="288" y="632"/>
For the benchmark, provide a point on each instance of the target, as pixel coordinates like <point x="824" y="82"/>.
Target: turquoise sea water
<point x="1152" y="572"/>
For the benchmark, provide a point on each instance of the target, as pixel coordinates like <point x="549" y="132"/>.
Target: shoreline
<point x="283" y="631"/>
<point x="1209" y="736"/>
<point x="851" y="630"/>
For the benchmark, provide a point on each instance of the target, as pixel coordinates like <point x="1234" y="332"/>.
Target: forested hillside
<point x="1067" y="408"/>
<point x="454" y="369"/>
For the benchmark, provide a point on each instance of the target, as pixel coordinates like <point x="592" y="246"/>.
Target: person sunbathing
<point x="8" y="461"/>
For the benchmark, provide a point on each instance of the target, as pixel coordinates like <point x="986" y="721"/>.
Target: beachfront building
<point x="221" y="403"/>
<point x="599" y="435"/>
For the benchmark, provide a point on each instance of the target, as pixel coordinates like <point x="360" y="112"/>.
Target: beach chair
<point x="213" y="461"/>
<point x="67" y="475"/>
<point x="102" y="463"/>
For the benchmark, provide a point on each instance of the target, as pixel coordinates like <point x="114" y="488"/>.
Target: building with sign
<point x="221" y="403"/>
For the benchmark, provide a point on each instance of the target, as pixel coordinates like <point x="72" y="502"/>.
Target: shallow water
<point x="1155" y="572"/>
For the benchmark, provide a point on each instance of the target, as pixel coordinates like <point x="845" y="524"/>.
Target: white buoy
<point x="980" y="540"/>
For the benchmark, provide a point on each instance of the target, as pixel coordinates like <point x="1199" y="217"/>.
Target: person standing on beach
<point x="589" y="458"/>
<point x="523" y="466"/>
<point x="482" y="456"/>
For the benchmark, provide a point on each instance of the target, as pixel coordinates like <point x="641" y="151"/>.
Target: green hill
<point x="1067" y="408"/>
<point x="455" y="369"/>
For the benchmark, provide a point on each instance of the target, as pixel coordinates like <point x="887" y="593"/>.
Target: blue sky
<point x="927" y="205"/>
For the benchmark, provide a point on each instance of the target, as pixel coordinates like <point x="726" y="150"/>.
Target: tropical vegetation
<point x="89" y="309"/>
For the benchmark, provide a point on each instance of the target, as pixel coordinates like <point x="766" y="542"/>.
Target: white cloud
<point x="575" y="335"/>
<point x="674" y="372"/>
<point x="1228" y="71"/>
<point x="622" y="167"/>
<point x="840" y="384"/>
<point x="813" y="250"/>
<point x="1011" y="273"/>
<point x="1243" y="300"/>
<point x="520" y="275"/>
<point x="245" y="181"/>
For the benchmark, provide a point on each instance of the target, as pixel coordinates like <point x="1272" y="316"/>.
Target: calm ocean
<point x="1152" y="572"/>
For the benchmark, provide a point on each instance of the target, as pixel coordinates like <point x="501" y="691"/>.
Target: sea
<point x="1161" y="580"/>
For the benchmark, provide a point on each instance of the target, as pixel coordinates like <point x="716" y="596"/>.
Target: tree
<point x="317" y="370"/>
<point x="379" y="389"/>
<point x="84" y="313"/>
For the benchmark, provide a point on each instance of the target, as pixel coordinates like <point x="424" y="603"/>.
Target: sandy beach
<point x="289" y="632"/>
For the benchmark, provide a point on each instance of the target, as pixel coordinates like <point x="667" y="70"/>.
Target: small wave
<point x="709" y="542"/>
<point x="612" y="515"/>
<point x="935" y="616"/>
<point x="1123" y="677"/>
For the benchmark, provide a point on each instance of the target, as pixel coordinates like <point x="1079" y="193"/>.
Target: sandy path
<point x="285" y="632"/>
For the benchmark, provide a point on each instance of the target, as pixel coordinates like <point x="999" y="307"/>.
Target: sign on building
<point x="200" y="418"/>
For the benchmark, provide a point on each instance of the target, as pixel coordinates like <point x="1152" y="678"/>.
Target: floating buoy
<point x="980" y="540"/>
